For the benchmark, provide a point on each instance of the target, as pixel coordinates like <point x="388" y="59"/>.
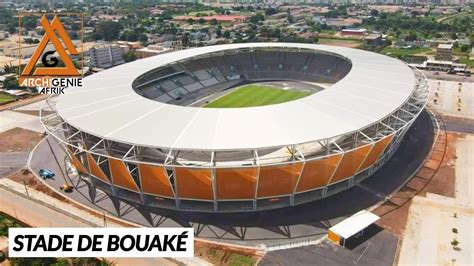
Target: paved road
<point x="445" y="76"/>
<point x="37" y="215"/>
<point x="11" y="162"/>
<point x="460" y="125"/>
<point x="378" y="249"/>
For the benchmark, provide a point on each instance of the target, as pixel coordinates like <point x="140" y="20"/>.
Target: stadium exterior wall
<point x="253" y="186"/>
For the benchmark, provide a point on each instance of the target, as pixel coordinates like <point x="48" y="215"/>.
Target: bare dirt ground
<point x="436" y="176"/>
<point x="28" y="179"/>
<point x="342" y="43"/>
<point x="33" y="112"/>
<point x="22" y="102"/>
<point x="226" y="255"/>
<point x="18" y="140"/>
<point x="439" y="228"/>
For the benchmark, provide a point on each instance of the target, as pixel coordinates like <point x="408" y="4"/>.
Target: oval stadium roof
<point x="108" y="107"/>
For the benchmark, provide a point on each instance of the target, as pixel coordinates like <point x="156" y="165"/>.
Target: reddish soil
<point x="32" y="182"/>
<point x="219" y="254"/>
<point x="25" y="177"/>
<point x="33" y="112"/>
<point x="18" y="140"/>
<point x="436" y="176"/>
<point x="22" y="102"/>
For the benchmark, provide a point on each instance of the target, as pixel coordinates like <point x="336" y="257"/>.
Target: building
<point x="353" y="32"/>
<point x="160" y="152"/>
<point x="373" y="39"/>
<point x="152" y="50"/>
<point x="219" y="18"/>
<point x="27" y="50"/>
<point x="444" y="52"/>
<point x="106" y="56"/>
<point x="445" y="66"/>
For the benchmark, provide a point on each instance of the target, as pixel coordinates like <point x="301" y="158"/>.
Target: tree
<point x="227" y="34"/>
<point x="316" y="28"/>
<point x="129" y="56"/>
<point x="202" y="21"/>
<point x="374" y="13"/>
<point x="454" y="36"/>
<point x="213" y="21"/>
<point x="190" y="21"/>
<point x="109" y="30"/>
<point x="270" y="11"/>
<point x="412" y="36"/>
<point x="131" y="36"/>
<point x="29" y="22"/>
<point x="257" y="18"/>
<point x="465" y="48"/>
<point x="219" y="30"/>
<point x="185" y="40"/>
<point x="10" y="83"/>
<point x="31" y="261"/>
<point x="143" y="38"/>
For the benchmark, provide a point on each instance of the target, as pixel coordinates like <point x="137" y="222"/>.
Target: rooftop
<point x="107" y="106"/>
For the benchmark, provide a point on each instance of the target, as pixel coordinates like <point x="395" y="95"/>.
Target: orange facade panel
<point x="350" y="163"/>
<point x="236" y="183"/>
<point x="317" y="173"/>
<point x="278" y="180"/>
<point x="95" y="169"/>
<point x="155" y="180"/>
<point x="194" y="183"/>
<point x="335" y="238"/>
<point x="378" y="148"/>
<point x="76" y="163"/>
<point x="120" y="175"/>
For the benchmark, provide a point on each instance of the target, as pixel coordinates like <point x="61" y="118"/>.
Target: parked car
<point x="67" y="188"/>
<point x="46" y="174"/>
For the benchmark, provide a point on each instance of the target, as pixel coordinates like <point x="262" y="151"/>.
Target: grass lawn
<point x="208" y="12"/>
<point x="256" y="95"/>
<point x="7" y="222"/>
<point x="5" y="98"/>
<point x="466" y="61"/>
<point x="405" y="52"/>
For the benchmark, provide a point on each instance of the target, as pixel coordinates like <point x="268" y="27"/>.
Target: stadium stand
<point x="193" y="77"/>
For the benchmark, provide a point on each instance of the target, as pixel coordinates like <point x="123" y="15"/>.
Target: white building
<point x="106" y="56"/>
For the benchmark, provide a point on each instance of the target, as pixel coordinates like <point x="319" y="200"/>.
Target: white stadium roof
<point x="108" y="107"/>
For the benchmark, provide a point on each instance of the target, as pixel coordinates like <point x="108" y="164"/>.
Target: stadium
<point x="207" y="129"/>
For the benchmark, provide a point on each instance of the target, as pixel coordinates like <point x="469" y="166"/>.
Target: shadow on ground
<point x="272" y="226"/>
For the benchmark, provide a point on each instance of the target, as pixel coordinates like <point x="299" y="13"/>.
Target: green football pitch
<point x="256" y="95"/>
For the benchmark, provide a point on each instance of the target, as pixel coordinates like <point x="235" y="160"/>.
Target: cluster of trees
<point x="293" y="37"/>
<point x="59" y="261"/>
<point x="202" y="21"/>
<point x="134" y="35"/>
<point x="428" y="25"/>
<point x="10" y="83"/>
<point x="31" y="40"/>
<point x="338" y="11"/>
<point x="107" y="30"/>
<point x="129" y="56"/>
<point x="257" y="18"/>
